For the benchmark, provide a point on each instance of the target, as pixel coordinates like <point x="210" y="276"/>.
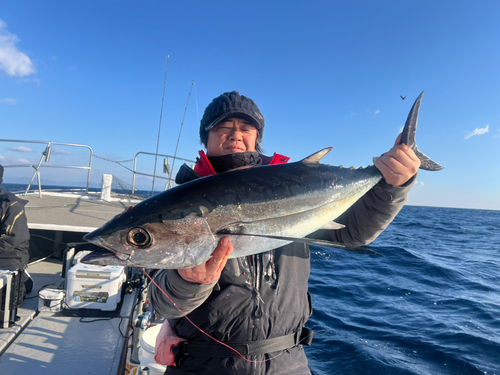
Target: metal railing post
<point x="46" y="156"/>
<point x="36" y="173"/>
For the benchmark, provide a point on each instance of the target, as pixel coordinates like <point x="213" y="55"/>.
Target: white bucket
<point x="50" y="300"/>
<point x="147" y="351"/>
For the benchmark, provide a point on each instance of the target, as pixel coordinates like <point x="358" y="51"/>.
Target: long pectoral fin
<point x="309" y="241"/>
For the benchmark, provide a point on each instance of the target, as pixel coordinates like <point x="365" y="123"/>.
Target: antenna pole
<point x="159" y="126"/>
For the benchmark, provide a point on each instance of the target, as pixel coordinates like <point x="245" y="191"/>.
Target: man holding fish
<point x="256" y="306"/>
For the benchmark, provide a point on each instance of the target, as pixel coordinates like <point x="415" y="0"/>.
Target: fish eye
<point x="138" y="237"/>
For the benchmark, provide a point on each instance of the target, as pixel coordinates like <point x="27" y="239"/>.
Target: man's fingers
<point x="386" y="166"/>
<point x="186" y="274"/>
<point x="210" y="270"/>
<point x="398" y="165"/>
<point x="398" y="139"/>
<point x="408" y="161"/>
<point x="400" y="156"/>
<point x="219" y="256"/>
<point x="223" y="261"/>
<point x="406" y="151"/>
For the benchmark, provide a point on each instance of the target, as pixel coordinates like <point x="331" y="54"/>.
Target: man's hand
<point x="398" y="165"/>
<point x="212" y="268"/>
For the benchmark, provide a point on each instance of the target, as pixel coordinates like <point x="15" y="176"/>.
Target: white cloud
<point x="477" y="131"/>
<point x="497" y="135"/>
<point x="21" y="149"/>
<point x="14" y="62"/>
<point x="376" y="112"/>
<point x="11" y="160"/>
<point x="29" y="80"/>
<point x="58" y="151"/>
<point x="418" y="185"/>
<point x="8" y="101"/>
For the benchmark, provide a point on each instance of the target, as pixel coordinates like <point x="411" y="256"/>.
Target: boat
<point x="78" y="319"/>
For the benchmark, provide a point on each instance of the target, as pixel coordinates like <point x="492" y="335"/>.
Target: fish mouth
<point x="99" y="241"/>
<point x="104" y="257"/>
<point x="93" y="239"/>
<point x="120" y="255"/>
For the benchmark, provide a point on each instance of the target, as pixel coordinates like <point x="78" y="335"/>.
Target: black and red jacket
<point x="203" y="167"/>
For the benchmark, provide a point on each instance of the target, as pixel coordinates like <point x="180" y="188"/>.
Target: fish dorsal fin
<point x="316" y="157"/>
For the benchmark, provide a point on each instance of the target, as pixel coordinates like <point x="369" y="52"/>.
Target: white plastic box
<point x="94" y="287"/>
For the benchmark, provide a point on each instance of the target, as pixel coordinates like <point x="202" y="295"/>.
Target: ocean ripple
<point x="429" y="305"/>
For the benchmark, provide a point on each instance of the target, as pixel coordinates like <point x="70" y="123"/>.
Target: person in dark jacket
<point x="14" y="234"/>
<point x="259" y="304"/>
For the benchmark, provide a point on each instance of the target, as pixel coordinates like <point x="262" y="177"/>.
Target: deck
<point x="71" y="341"/>
<point x="73" y="212"/>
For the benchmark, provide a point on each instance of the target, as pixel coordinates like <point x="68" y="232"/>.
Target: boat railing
<point x="167" y="168"/>
<point x="87" y="165"/>
<point x="45" y="159"/>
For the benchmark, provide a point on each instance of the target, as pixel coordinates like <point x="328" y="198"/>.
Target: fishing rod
<point x="159" y="127"/>
<point x="169" y="183"/>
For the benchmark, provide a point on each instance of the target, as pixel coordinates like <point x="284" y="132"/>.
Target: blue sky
<point x="324" y="73"/>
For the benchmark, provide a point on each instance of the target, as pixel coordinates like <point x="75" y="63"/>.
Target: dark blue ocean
<point x="430" y="304"/>
<point x="124" y="189"/>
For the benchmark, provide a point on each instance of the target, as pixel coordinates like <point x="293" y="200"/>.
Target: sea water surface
<point x="429" y="304"/>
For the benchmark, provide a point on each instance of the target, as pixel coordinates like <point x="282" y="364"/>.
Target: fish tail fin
<point x="408" y="137"/>
<point x="426" y="163"/>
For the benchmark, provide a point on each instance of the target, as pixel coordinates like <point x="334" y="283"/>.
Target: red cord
<point x="199" y="329"/>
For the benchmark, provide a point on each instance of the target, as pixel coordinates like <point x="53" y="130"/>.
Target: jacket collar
<point x="204" y="168"/>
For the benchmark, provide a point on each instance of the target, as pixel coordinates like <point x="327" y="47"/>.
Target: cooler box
<point x="94" y="287"/>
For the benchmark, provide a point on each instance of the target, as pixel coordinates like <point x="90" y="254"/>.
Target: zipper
<point x="256" y="270"/>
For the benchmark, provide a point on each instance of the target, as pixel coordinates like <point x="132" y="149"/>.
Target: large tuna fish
<point x="259" y="208"/>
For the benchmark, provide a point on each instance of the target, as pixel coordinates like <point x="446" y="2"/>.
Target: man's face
<point x="231" y="135"/>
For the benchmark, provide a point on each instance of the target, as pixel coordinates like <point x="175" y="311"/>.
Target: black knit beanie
<point x="231" y="104"/>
